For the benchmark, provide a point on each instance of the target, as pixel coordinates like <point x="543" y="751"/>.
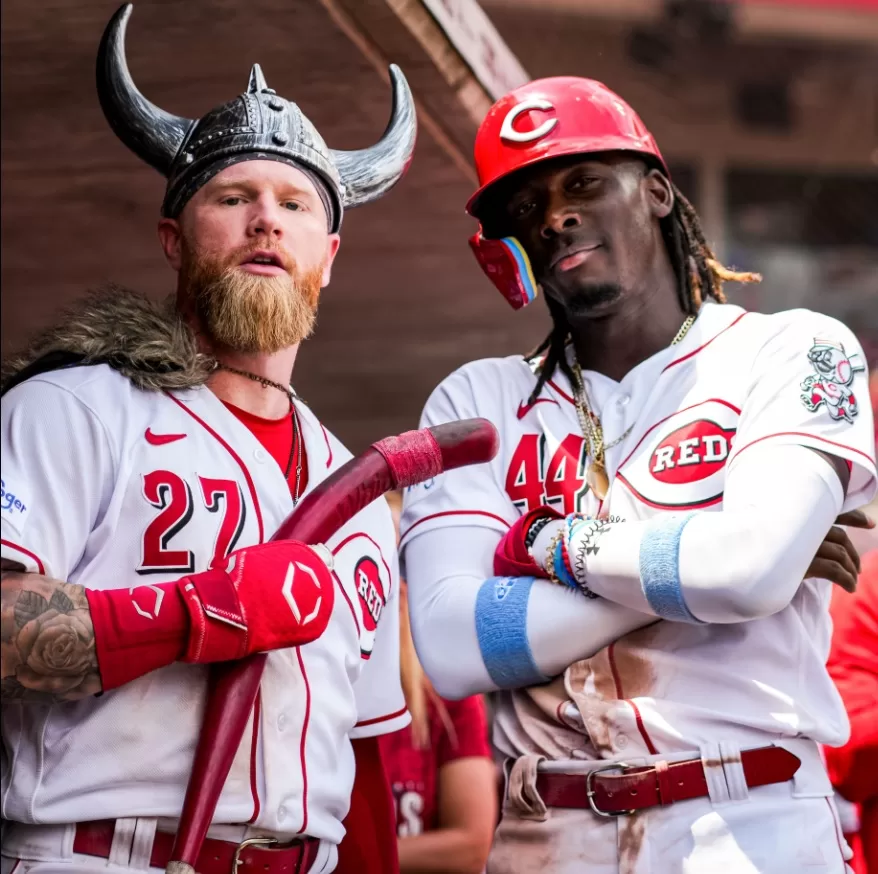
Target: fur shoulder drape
<point x="146" y="342"/>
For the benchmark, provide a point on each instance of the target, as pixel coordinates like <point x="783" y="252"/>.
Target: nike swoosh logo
<point x="524" y="408"/>
<point x="161" y="439"/>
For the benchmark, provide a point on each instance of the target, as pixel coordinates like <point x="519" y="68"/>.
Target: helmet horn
<point x="367" y="174"/>
<point x="151" y="133"/>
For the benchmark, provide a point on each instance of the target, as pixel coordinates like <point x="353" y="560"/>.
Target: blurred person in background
<point x="853" y="665"/>
<point x="440" y="769"/>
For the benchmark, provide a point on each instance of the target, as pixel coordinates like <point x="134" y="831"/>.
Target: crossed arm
<point x="48" y="639"/>
<point x="532" y="630"/>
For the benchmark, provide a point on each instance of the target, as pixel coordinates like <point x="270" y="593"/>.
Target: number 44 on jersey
<point x="537" y="478"/>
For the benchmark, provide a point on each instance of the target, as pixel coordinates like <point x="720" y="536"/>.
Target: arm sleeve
<point x="853" y="665"/>
<point x="807" y="389"/>
<point x="744" y="562"/>
<point x="469" y="721"/>
<point x="57" y="477"/>
<point x="448" y="570"/>
<point x="381" y="706"/>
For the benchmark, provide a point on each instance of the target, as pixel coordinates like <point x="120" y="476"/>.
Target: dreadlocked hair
<point x="699" y="274"/>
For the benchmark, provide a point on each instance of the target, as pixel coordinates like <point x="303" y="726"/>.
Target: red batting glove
<point x="511" y="558"/>
<point x="265" y="597"/>
<point x="261" y="598"/>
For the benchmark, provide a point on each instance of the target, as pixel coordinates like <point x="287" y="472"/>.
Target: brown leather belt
<point x="267" y="855"/>
<point x="636" y="788"/>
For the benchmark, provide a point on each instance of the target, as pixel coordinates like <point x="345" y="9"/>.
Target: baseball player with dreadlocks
<point x="643" y="573"/>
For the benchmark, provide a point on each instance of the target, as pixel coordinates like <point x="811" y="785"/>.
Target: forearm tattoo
<point x="47" y="636"/>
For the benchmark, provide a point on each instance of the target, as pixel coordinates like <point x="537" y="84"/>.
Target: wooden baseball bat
<point x="394" y="462"/>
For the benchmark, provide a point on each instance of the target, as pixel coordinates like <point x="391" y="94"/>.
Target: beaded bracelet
<point x="565" y="565"/>
<point x="535" y="528"/>
<point x="561" y="563"/>
<point x="551" y="566"/>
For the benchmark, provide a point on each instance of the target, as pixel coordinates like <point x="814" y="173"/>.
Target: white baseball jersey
<point x="109" y="486"/>
<point x="736" y="380"/>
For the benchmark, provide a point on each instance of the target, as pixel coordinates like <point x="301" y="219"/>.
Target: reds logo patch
<point x="693" y="452"/>
<point x="680" y="462"/>
<point x="370" y="590"/>
<point x="830" y="385"/>
<point x="365" y="578"/>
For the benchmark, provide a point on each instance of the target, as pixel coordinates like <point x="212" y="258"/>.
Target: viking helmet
<point x="256" y="125"/>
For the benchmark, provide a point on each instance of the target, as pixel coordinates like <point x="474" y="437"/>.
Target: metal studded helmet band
<point x="255" y="125"/>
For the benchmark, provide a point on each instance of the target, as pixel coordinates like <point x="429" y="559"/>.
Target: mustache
<point x="239" y="256"/>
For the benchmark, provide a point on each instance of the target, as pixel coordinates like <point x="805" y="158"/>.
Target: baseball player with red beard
<point x="148" y="455"/>
<point x="642" y="574"/>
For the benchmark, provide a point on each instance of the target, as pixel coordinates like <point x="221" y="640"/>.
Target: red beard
<point x="246" y="312"/>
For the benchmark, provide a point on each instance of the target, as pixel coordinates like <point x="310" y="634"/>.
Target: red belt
<point x="265" y="855"/>
<point x="636" y="788"/>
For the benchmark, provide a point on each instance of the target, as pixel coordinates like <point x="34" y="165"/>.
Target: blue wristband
<point x="501" y="628"/>
<point x="660" y="568"/>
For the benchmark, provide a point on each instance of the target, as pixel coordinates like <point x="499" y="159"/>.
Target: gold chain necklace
<point x="590" y="424"/>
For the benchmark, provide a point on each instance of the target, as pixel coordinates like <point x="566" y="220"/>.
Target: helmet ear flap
<point x="506" y="264"/>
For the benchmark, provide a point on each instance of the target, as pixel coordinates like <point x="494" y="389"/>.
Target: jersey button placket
<point x="281" y="722"/>
<point x="614" y="421"/>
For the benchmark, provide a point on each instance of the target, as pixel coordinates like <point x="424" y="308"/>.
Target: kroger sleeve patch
<point x="15" y="504"/>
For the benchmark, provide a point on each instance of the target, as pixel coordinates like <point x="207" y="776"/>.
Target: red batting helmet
<point x="546" y="118"/>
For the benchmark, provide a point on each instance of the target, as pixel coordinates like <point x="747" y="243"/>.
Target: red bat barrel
<point x="394" y="462"/>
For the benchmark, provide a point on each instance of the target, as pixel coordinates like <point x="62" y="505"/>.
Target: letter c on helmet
<point x="508" y="132"/>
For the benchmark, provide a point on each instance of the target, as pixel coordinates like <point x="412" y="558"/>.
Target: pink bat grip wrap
<point x="412" y="457"/>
